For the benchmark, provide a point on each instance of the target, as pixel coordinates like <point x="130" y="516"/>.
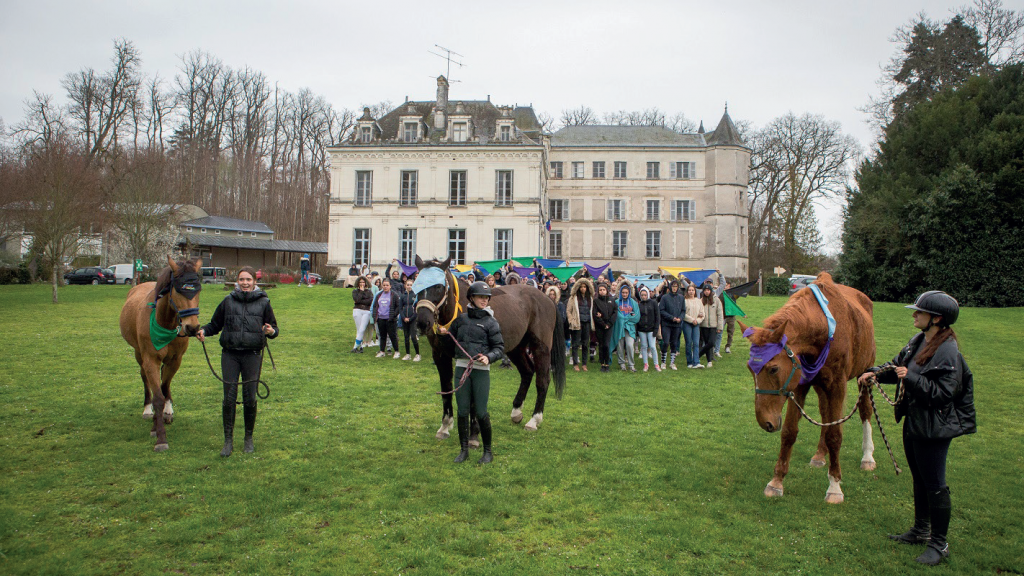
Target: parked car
<point x="213" y="274"/>
<point x="799" y="281"/>
<point x="125" y="273"/>
<point x="91" y="275"/>
<point x="315" y="278"/>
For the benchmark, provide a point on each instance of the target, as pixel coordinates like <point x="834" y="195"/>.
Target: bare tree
<point x="580" y="116"/>
<point x="1001" y="31"/>
<point x="43" y="124"/>
<point x="647" y="117"/>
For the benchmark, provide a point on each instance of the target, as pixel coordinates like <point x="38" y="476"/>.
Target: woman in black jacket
<point x="604" y="318"/>
<point x="247" y="320"/>
<point x="938" y="404"/>
<point x="362" y="298"/>
<point x="647" y="327"/>
<point x="407" y="320"/>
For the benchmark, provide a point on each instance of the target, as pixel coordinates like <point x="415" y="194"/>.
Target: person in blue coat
<point x="624" y="329"/>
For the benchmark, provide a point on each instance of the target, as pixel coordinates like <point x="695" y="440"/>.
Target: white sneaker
<point x="718" y="354"/>
<point x="380" y="354"/>
<point x="727" y="351"/>
<point x="672" y="366"/>
<point x="406" y="357"/>
<point x="710" y="364"/>
<point x="397" y="355"/>
<point x="416" y="358"/>
<point x="698" y="365"/>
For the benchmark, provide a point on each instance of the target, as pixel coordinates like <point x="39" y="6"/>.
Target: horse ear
<point x="778" y="332"/>
<point x="447" y="263"/>
<point x="743" y="327"/>
<point x="419" y="262"/>
<point x="172" y="264"/>
<point x="197" y="264"/>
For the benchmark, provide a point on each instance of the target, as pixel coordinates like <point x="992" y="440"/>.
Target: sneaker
<point x="397" y="355"/>
<point x="718" y="354"/>
<point x="632" y="368"/>
<point x="584" y="367"/>
<point x="406" y="357"/>
<point x="570" y="361"/>
<point x="727" y="351"/>
<point x="622" y="367"/>
<point x="645" y="367"/>
<point x="360" y="350"/>
<point x="355" y="350"/>
<point x="416" y="358"/>
<point x="657" y="368"/>
<point x="710" y="364"/>
<point x="576" y="368"/>
<point x="380" y="354"/>
<point x="673" y="366"/>
<point x="698" y="365"/>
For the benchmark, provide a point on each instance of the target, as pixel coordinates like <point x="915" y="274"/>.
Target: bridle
<point x="180" y="313"/>
<point x="435" y="308"/>
<point x="784" y="390"/>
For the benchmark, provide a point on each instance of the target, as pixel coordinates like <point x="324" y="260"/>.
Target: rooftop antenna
<point x="448" y="56"/>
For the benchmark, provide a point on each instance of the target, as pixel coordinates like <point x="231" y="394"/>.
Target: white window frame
<point x="409" y="185"/>
<point x="203" y="230"/>
<point x="460" y="131"/>
<point x="505" y="133"/>
<point x="620" y="169"/>
<point x="410" y="131"/>
<point x="653" y="215"/>
<point x="366" y="134"/>
<point x="598" y="169"/>
<point x="561" y="213"/>
<point x="361" y="245"/>
<point x="653" y="244"/>
<point x="556" y="170"/>
<point x="554" y="244"/>
<point x="253" y="234"/>
<point x="407" y="244"/>
<point x="457" y="245"/>
<point x="682" y="170"/>
<point x="239" y="232"/>
<point x="654" y="170"/>
<point x="620" y="243"/>
<point x="615" y="210"/>
<point x="188" y="229"/>
<point x="578" y="170"/>
<point x="458" y="187"/>
<point x="503" y="188"/>
<point x="685" y="208"/>
<point x="363" y="195"/>
<point x="502" y="243"/>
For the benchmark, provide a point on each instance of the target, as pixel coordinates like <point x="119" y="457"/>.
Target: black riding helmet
<point x="937" y="303"/>
<point x="479" y="289"/>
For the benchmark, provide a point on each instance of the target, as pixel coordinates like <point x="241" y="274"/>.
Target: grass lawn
<point x="629" y="473"/>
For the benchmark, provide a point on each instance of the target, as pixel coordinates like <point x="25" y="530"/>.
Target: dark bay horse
<point x="533" y="338"/>
<point x="175" y="298"/>
<point x="803" y="324"/>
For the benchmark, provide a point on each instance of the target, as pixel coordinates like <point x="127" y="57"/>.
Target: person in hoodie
<point x="604" y="313"/>
<point x="245" y="320"/>
<point x="478" y="332"/>
<point x="624" y="329"/>
<point x="579" y="315"/>
<point x="647" y="328"/>
<point x="672" y="309"/>
<point x="407" y="318"/>
<point x="362" y="299"/>
<point x="693" y="315"/>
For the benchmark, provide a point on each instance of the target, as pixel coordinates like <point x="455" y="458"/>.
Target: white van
<point x="126" y="272"/>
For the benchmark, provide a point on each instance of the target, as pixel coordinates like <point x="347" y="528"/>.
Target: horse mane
<point x="802" y="315"/>
<point x="163" y="279"/>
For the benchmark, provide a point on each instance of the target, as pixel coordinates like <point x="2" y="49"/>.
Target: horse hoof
<point x="160" y="447"/>
<point x="517" y="416"/>
<point x="474" y="444"/>
<point x="147" y="416"/>
<point x="834" y="498"/>
<point x="817" y="463"/>
<point x="772" y="492"/>
<point x="867" y="465"/>
<point x="531" y="426"/>
<point x="168" y="418"/>
<point x="441" y="435"/>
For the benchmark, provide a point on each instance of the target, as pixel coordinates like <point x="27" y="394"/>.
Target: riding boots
<point x="485" y="435"/>
<point x="921" y="532"/>
<point x="228" y="414"/>
<point x="940" y="508"/>
<point x="250" y="423"/>
<point x="463" y="439"/>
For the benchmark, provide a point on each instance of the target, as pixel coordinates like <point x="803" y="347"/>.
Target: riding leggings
<point x="926" y="458"/>
<point x="409" y="329"/>
<point x="475" y="391"/>
<point x="245" y="363"/>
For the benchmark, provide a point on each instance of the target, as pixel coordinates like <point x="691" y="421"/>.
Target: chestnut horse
<point x="803" y="323"/>
<point x="175" y="298"/>
<point x="529" y="326"/>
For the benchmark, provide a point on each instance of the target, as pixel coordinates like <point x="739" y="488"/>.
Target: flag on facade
<point x="547" y="225"/>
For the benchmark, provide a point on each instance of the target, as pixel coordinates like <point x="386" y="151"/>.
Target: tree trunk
<point x="56" y="278"/>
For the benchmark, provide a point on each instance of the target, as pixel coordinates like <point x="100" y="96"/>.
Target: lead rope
<point x="259" y="375"/>
<point x="469" y="368"/>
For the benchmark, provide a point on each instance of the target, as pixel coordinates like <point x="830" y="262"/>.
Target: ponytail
<point x="926" y="353"/>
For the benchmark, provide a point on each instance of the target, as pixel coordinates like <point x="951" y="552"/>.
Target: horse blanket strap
<point x="158" y="334"/>
<point x="811" y="367"/>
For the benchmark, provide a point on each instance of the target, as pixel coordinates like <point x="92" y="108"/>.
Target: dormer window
<point x="410" y="132"/>
<point x="506" y="133"/>
<point x="366" y="134"/>
<point x="460" y="131"/>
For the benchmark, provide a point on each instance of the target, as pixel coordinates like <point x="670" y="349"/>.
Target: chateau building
<point x="476" y="181"/>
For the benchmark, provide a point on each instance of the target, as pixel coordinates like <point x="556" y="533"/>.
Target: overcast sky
<point x="764" y="58"/>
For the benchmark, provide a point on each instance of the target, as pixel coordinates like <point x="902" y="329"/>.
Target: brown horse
<point x="529" y="326"/>
<point x="175" y="297"/>
<point x="802" y="322"/>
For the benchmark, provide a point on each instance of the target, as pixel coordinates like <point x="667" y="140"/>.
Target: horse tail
<point x="558" y="358"/>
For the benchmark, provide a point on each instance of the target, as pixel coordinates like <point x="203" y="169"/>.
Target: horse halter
<point x="760" y="355"/>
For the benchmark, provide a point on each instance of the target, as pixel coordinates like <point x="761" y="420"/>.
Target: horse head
<point x="433" y="297"/>
<point x="180" y="282"/>
<point x="772" y="364"/>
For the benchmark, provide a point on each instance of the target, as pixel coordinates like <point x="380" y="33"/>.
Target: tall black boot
<point x="922" y="530"/>
<point x="940" y="507"/>
<point x="228" y="414"/>
<point x="463" y="439"/>
<point x="485" y="435"/>
<point x="250" y="423"/>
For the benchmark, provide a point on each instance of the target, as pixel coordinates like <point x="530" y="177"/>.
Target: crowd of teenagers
<point x="601" y="317"/>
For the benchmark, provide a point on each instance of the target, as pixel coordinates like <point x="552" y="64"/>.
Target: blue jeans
<point x="691" y="334"/>
<point x="647" y="343"/>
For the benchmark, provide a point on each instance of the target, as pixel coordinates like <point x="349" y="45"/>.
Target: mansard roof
<point x="726" y="133"/>
<point x="482" y="112"/>
<point x="624" y="136"/>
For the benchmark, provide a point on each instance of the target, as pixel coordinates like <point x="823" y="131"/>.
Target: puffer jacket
<point x="479" y="333"/>
<point x="241" y="316"/>
<point x="606" y="306"/>
<point x="649" y="316"/>
<point x="939" y="397"/>
<point x="672" y="306"/>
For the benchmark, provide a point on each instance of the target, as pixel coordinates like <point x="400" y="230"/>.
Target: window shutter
<point x="693" y="211"/>
<point x="672" y="169"/>
<point x="609" y="204"/>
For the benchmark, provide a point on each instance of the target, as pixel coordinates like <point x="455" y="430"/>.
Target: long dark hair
<point x="707" y="300"/>
<point x="926" y="353"/>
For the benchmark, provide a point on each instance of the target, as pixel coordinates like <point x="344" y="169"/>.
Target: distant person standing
<point x="672" y="308"/>
<point x="693" y="316"/>
<point x="580" y="318"/>
<point x="712" y="323"/>
<point x="362" y="299"/>
<point x="647" y="327"/>
<point x="604" y="312"/>
<point x="624" y="329"/>
<point x="407" y="316"/>
<point x="304" y="267"/>
<point x="385" y="312"/>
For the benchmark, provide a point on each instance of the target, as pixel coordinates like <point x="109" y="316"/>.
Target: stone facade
<point x="479" y="182"/>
